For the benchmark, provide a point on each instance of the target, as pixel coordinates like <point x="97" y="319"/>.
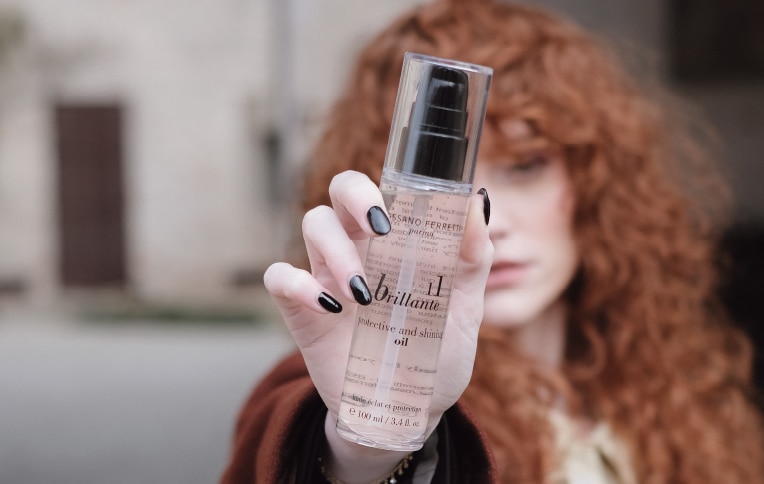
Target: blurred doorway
<point x="91" y="240"/>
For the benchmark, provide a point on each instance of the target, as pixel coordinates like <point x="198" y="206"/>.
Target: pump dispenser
<point x="426" y="182"/>
<point x="436" y="142"/>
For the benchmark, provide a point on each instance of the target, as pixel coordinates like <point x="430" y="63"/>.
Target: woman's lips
<point x="506" y="274"/>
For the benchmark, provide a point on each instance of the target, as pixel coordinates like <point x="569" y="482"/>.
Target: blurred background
<point x="148" y="150"/>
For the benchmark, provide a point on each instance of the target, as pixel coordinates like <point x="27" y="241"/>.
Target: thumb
<point x="476" y="253"/>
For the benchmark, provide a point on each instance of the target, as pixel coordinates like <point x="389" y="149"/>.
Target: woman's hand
<point x="318" y="306"/>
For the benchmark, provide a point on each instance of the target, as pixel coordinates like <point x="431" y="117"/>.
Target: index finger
<point x="359" y="205"/>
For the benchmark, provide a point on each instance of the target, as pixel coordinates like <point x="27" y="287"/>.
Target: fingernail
<point x="329" y="303"/>
<point x="379" y="222"/>
<point x="486" y="204"/>
<point x="360" y="290"/>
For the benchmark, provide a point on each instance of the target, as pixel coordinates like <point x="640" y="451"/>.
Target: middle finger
<point x="333" y="254"/>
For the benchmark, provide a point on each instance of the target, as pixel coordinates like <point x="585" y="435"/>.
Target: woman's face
<point x="531" y="229"/>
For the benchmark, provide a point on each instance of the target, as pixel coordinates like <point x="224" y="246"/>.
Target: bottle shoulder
<point x="396" y="181"/>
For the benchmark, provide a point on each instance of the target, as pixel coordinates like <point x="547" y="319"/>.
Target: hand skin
<point x="336" y="239"/>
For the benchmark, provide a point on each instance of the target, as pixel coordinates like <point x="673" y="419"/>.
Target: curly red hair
<point x="649" y="349"/>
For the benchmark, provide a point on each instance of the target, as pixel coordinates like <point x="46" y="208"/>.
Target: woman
<point x="603" y="355"/>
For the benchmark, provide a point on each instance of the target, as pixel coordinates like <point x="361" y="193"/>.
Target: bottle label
<point x="396" y="342"/>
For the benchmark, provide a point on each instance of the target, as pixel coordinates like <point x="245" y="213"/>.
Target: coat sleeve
<point x="464" y="454"/>
<point x="279" y="434"/>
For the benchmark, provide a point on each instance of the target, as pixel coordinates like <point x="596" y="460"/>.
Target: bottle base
<point x="380" y="438"/>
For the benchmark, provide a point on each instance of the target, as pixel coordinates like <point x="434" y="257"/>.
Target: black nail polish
<point x="360" y="290"/>
<point x="329" y="303"/>
<point x="379" y="222"/>
<point x="486" y="204"/>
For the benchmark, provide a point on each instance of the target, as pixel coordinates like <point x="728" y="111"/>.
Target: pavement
<point x="120" y="403"/>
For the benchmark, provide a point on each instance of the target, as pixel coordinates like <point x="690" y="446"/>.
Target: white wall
<point x="187" y="73"/>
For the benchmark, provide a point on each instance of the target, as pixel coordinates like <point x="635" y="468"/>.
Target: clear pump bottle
<point x="426" y="182"/>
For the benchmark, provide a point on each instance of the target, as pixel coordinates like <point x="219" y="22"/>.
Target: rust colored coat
<point x="280" y="435"/>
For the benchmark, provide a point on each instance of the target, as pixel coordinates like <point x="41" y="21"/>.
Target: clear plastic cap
<point x="438" y="118"/>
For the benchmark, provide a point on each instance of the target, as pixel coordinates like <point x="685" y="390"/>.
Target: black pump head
<point x="435" y="144"/>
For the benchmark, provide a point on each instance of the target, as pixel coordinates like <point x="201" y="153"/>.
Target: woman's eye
<point x="530" y="164"/>
<point x="526" y="167"/>
<point x="521" y="170"/>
